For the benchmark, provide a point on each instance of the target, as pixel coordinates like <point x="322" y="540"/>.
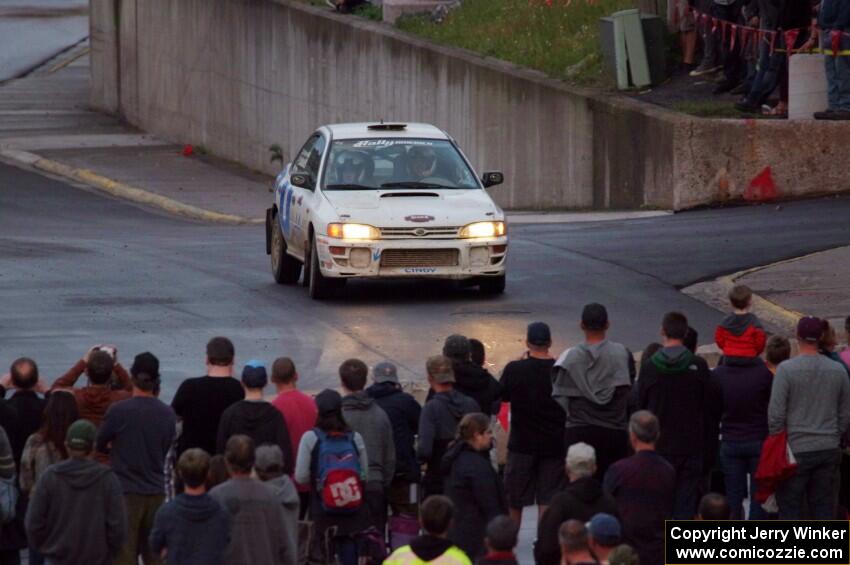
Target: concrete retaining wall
<point x="239" y="75"/>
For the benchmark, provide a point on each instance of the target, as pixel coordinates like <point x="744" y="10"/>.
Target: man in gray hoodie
<point x="439" y="420"/>
<point x="810" y="399"/>
<point x="591" y="382"/>
<point x="269" y="466"/>
<point x="364" y="416"/>
<point x="60" y="518"/>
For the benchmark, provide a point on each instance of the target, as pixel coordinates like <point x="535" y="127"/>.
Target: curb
<point x="125" y="191"/>
<point x="714" y="293"/>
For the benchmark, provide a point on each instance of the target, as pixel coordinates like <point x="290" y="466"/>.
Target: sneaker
<point x="825" y="115"/>
<point x="332" y="4"/>
<point x="705" y="69"/>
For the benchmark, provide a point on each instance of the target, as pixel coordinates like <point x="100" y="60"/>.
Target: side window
<point x="315" y="158"/>
<point x="300" y="165"/>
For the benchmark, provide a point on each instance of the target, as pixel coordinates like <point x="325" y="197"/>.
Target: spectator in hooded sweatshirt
<point x="470" y="379"/>
<point x="472" y="484"/>
<point x="268" y="464"/>
<point x="746" y="394"/>
<point x="433" y="546"/>
<point x="580" y="500"/>
<point x="137" y="433"/>
<point x="256" y="418"/>
<point x="258" y="535"/>
<point x="403" y="412"/>
<point x="60" y="517"/>
<point x="591" y="382"/>
<point x="603" y="535"/>
<point x="192" y="529"/>
<point x="535" y="465"/>
<point x="299" y="411"/>
<point x="439" y="420"/>
<point x="201" y="401"/>
<point x="364" y="416"/>
<point x="676" y="386"/>
<point x="777" y="350"/>
<point x="811" y="401"/>
<point x="98" y="395"/>
<point x="643" y="487"/>
<point x="500" y="540"/>
<point x="740" y="335"/>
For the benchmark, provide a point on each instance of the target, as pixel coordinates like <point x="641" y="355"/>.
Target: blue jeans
<point x="739" y="459"/>
<point x="346" y="550"/>
<point x="813" y="485"/>
<point x="837" y="73"/>
<point x="770" y="69"/>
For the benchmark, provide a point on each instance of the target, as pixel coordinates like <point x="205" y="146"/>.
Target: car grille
<point x="420" y="232"/>
<point x="419" y="258"/>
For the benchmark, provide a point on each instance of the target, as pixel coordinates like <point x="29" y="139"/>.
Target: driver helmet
<point x="351" y="168"/>
<point x="422" y="161"/>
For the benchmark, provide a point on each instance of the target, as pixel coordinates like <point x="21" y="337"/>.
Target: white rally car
<point x="384" y="200"/>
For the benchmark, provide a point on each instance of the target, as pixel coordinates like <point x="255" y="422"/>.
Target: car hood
<point x="400" y="207"/>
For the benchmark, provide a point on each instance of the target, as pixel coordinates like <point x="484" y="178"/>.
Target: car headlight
<point x="483" y="229"/>
<point x="353" y="231"/>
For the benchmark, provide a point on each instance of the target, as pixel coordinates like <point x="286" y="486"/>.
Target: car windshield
<point x="371" y="164"/>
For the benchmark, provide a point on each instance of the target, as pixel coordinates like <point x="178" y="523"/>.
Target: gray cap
<point x="385" y="372"/>
<point x="456" y="347"/>
<point x="268" y="459"/>
<point x="581" y="459"/>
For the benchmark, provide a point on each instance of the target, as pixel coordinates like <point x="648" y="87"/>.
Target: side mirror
<point x="492" y="179"/>
<point x="302" y="180"/>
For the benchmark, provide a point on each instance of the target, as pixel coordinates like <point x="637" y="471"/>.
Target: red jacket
<point x="740" y="335"/>
<point x="92" y="401"/>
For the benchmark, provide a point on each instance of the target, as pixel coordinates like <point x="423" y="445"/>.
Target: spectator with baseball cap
<point x="60" y="520"/>
<point x="470" y="379"/>
<point x="810" y="400"/>
<point x="269" y="466"/>
<point x="603" y="535"/>
<point x="535" y="463"/>
<point x="439" y="420"/>
<point x="591" y="382"/>
<point x="137" y="434"/>
<point x="404" y="412"/>
<point x="255" y="417"/>
<point x="582" y="499"/>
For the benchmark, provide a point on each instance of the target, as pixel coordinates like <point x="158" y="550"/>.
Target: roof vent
<point x="387" y="127"/>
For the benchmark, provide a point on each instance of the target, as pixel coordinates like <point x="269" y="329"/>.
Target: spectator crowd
<point x="606" y="448"/>
<point x="746" y="44"/>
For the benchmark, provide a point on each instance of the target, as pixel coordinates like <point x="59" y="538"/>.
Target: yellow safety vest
<point x="405" y="556"/>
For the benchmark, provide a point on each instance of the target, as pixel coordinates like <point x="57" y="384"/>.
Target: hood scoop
<point x="410" y="194"/>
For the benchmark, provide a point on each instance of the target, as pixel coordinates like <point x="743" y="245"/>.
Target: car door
<point x="292" y="198"/>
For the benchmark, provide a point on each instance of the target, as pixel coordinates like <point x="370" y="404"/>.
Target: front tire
<point x="319" y="286"/>
<point x="285" y="268"/>
<point x="492" y="285"/>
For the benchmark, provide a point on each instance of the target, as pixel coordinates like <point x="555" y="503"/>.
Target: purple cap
<point x="810" y="329"/>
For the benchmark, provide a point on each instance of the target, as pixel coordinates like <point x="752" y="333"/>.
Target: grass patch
<point x="561" y="41"/>
<point x="708" y="109"/>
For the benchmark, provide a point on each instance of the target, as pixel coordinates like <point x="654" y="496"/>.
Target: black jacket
<point x="260" y="421"/>
<point x="60" y="515"/>
<point x="476" y="491"/>
<point x="194" y="529"/>
<point x="834" y="14"/>
<point x="676" y="386"/>
<point x="29" y="407"/>
<point x="580" y="500"/>
<point x="403" y="412"/>
<point x="478" y="384"/>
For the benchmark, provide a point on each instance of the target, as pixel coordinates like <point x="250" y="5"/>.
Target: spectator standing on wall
<point x="834" y="25"/>
<point x="535" y="466"/>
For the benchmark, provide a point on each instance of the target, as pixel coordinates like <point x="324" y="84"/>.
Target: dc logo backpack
<point x="338" y="473"/>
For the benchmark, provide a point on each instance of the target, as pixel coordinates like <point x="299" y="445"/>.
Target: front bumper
<point x="456" y="259"/>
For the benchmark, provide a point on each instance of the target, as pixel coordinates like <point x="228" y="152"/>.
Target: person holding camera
<point x="98" y="395"/>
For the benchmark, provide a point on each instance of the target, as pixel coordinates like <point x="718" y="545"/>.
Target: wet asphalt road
<point x="78" y="268"/>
